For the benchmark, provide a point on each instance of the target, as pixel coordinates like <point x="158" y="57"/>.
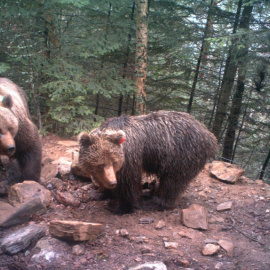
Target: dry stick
<point x="247" y="236"/>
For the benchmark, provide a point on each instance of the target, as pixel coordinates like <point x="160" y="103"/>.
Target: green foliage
<point x="4" y="67"/>
<point x="93" y="68"/>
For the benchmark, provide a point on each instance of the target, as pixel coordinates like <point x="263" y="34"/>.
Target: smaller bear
<point x="171" y="145"/>
<point x="19" y="137"/>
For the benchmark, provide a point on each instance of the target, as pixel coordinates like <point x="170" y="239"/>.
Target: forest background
<point x="81" y="61"/>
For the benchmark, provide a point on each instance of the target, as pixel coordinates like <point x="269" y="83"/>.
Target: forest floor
<point x="246" y="225"/>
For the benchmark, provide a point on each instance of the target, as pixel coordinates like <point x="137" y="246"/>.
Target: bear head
<point x="101" y="156"/>
<point x="8" y="126"/>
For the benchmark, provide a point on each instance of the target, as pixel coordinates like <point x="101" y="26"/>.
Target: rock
<point x="140" y="239"/>
<point x="74" y="230"/>
<point x="26" y="191"/>
<point x="146" y="220"/>
<point x="228" y="246"/>
<point x="146" y="250"/>
<point x="225" y="172"/>
<point x="49" y="171"/>
<point x="150" y="266"/>
<point x="161" y="224"/>
<point x="215" y="219"/>
<point x="78" y="250"/>
<point x="195" y="217"/>
<point x="210" y="249"/>
<point x="210" y="241"/>
<point x="185" y="235"/>
<point x="66" y="198"/>
<point x="46" y="250"/>
<point x="64" y="171"/>
<point x="224" y="206"/>
<point x="123" y="232"/>
<point x="6" y="209"/>
<point x="21" y="239"/>
<point x="170" y="245"/>
<point x="23" y="213"/>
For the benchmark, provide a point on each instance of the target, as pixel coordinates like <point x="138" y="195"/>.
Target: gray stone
<point x="6" y="210"/>
<point x="26" y="191"/>
<point x="23" y="213"/>
<point x="46" y="251"/>
<point x="78" y="250"/>
<point x="146" y="220"/>
<point x="21" y="239"/>
<point x="195" y="217"/>
<point x="150" y="266"/>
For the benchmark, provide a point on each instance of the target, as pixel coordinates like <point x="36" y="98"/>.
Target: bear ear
<point x="117" y="137"/>
<point x="85" y="139"/>
<point x="6" y="101"/>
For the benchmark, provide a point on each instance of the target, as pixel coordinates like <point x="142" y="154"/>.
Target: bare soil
<point x="246" y="225"/>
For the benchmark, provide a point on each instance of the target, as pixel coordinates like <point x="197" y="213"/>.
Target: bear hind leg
<point x="169" y="189"/>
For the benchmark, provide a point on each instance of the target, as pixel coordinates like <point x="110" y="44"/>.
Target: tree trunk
<point x="228" y="79"/>
<point x="264" y="166"/>
<point x="51" y="35"/>
<point x="32" y="85"/>
<point x="126" y="60"/>
<point x="102" y="59"/>
<point x="238" y="96"/>
<point x="141" y="54"/>
<point x="240" y="129"/>
<point x="202" y="51"/>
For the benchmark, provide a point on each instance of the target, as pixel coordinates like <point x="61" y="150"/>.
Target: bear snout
<point x="11" y="150"/>
<point x="109" y="177"/>
<point x="7" y="145"/>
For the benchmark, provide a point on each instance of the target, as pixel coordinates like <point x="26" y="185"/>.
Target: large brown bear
<point x="19" y="137"/>
<point x="172" y="145"/>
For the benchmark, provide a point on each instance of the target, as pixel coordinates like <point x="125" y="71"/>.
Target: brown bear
<point x="19" y="137"/>
<point x="171" y="145"/>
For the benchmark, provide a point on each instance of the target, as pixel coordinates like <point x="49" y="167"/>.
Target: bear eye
<point x="101" y="166"/>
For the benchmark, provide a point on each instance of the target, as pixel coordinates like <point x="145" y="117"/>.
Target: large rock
<point x="22" y="213"/>
<point x="49" y="171"/>
<point x="26" y="191"/>
<point x="21" y="239"/>
<point x="225" y="172"/>
<point x="5" y="210"/>
<point x="195" y="217"/>
<point x="74" y="230"/>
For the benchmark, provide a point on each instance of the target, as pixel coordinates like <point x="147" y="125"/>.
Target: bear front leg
<point x="167" y="193"/>
<point x="128" y="192"/>
<point x="30" y="163"/>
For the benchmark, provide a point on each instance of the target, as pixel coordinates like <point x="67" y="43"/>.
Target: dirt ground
<point x="246" y="225"/>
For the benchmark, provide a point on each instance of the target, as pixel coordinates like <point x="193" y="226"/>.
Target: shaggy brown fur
<point x="171" y="145"/>
<point x="19" y="137"/>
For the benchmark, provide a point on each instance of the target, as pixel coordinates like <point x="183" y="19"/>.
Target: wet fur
<point x="171" y="145"/>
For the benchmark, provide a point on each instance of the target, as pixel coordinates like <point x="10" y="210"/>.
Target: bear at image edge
<point x="171" y="145"/>
<point x="19" y="137"/>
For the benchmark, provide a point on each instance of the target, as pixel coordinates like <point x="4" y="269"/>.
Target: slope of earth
<point x="126" y="241"/>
